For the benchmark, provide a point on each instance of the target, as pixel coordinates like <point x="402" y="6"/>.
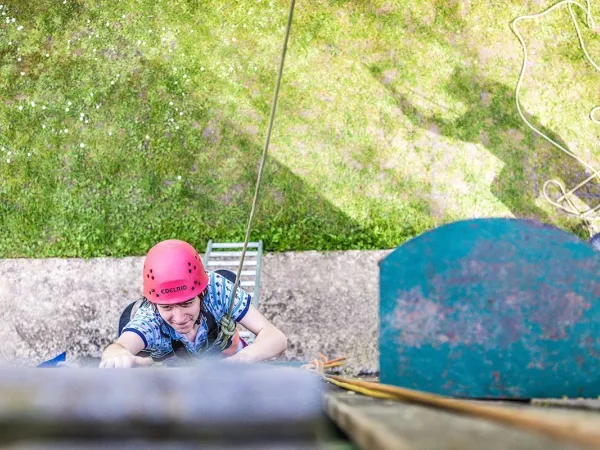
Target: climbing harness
<point x="228" y="326"/>
<point x="178" y="348"/>
<point x="591" y="214"/>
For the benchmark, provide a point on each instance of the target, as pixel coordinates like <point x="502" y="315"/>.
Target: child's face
<point x="181" y="316"/>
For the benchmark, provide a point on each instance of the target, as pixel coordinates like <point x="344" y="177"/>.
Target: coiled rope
<point x="591" y="214"/>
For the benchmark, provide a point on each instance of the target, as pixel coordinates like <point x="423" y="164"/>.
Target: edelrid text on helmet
<point x="173" y="290"/>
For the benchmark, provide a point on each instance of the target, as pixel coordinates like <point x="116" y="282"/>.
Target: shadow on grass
<point x="121" y="195"/>
<point x="491" y="119"/>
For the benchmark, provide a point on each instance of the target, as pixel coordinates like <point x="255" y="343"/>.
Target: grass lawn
<point x="125" y="123"/>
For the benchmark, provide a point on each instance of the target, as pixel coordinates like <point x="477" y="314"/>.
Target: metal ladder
<point x="219" y="255"/>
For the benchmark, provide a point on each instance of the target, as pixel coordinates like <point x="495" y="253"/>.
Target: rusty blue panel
<point x="492" y="308"/>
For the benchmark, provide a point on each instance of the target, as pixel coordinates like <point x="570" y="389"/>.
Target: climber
<point x="183" y="309"/>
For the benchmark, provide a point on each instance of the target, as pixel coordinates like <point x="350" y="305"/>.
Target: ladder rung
<point x="224" y="254"/>
<point x="234" y="245"/>
<point x="231" y="263"/>
<point x="245" y="273"/>
<point x="246" y="283"/>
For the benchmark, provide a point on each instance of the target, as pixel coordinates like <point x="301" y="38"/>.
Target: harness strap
<point x="178" y="346"/>
<point x="212" y="333"/>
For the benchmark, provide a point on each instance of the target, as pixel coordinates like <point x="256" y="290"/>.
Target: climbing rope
<point x="228" y="327"/>
<point x="591" y="214"/>
<point x="558" y="429"/>
<point x="320" y="364"/>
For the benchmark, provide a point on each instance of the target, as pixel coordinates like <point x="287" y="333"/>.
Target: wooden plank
<point x="386" y="424"/>
<point x="573" y="403"/>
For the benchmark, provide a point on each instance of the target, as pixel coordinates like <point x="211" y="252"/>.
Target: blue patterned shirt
<point x="157" y="334"/>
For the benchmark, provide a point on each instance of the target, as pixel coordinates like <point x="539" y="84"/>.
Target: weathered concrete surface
<point x="325" y="302"/>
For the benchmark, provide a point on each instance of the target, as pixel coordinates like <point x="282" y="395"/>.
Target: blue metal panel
<point x="492" y="308"/>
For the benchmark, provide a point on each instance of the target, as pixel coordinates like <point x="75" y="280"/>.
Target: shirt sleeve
<point x="222" y="290"/>
<point x="146" y="325"/>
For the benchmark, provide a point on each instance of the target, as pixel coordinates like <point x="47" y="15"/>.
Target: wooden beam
<point x="392" y="425"/>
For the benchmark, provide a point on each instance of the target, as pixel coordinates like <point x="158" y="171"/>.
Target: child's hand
<point x="124" y="359"/>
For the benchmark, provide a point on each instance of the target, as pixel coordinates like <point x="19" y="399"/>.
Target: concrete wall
<point x="324" y="302"/>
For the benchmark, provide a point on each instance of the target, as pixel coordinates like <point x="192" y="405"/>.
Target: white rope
<point x="590" y="214"/>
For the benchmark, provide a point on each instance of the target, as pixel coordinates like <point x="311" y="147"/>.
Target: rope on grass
<point x="567" y="197"/>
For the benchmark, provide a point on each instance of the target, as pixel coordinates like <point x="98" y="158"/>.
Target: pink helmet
<point x="173" y="273"/>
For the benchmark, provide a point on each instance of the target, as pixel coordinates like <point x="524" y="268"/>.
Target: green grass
<point x="393" y="117"/>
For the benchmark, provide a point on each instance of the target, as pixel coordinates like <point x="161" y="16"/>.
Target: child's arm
<point x="269" y="341"/>
<point x="122" y="353"/>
